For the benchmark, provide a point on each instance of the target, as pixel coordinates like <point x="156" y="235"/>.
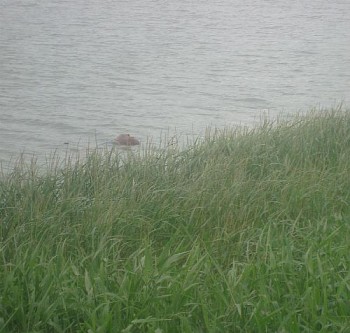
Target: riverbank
<point x="247" y="231"/>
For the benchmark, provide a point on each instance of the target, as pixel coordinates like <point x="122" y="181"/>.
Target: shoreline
<point x="245" y="230"/>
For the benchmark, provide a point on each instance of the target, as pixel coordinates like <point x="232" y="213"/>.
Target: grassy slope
<point x="246" y="232"/>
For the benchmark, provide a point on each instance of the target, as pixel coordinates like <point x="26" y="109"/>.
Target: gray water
<point x="74" y="72"/>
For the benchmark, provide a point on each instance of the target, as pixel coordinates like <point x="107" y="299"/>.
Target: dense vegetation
<point x="245" y="231"/>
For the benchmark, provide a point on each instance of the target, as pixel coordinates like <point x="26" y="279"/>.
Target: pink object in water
<point x="126" y="140"/>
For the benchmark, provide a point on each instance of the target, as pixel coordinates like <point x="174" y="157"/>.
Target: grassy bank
<point x="248" y="231"/>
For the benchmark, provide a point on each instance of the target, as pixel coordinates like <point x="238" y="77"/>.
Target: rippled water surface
<point x="85" y="70"/>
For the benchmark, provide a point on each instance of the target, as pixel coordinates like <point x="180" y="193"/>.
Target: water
<point x="73" y="72"/>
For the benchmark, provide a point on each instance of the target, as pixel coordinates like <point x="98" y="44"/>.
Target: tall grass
<point x="245" y="231"/>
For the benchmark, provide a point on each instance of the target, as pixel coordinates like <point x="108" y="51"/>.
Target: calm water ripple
<point x="88" y="70"/>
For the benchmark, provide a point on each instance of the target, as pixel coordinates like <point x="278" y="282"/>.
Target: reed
<point x="244" y="231"/>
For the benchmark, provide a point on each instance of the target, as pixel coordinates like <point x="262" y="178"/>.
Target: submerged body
<point x="126" y="140"/>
